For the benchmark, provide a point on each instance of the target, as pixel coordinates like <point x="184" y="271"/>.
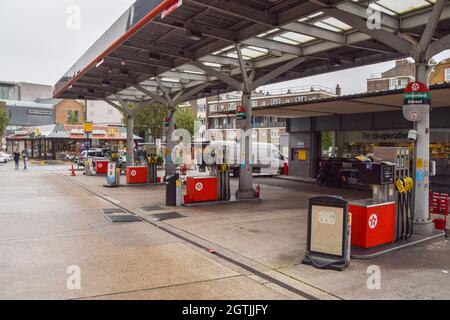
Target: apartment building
<point x="218" y="113"/>
<point x="404" y="73"/>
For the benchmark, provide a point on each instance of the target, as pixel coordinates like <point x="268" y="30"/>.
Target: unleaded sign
<point x="416" y="101"/>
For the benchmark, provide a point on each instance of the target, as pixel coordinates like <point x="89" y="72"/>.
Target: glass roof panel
<point x="382" y="9"/>
<point x="326" y="26"/>
<point x="267" y="33"/>
<point x="403" y="6"/>
<point x="336" y="23"/>
<point x="213" y="65"/>
<point x="299" y="38"/>
<point x="252" y="53"/>
<point x="284" y="40"/>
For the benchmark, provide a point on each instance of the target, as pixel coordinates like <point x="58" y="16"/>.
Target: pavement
<point x="50" y="221"/>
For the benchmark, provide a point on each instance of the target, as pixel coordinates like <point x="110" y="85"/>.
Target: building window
<point x="447" y="75"/>
<point x="213" y="108"/>
<point x="276" y="101"/>
<point x="4" y="93"/>
<point x="72" y="117"/>
<point x="263" y="104"/>
<point x="300" y="99"/>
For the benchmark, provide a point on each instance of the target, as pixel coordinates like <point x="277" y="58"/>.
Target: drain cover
<point x="114" y="218"/>
<point x="153" y="208"/>
<point x="167" y="216"/>
<point x="112" y="211"/>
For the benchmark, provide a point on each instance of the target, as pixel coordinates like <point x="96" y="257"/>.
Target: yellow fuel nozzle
<point x="409" y="184"/>
<point x="400" y="186"/>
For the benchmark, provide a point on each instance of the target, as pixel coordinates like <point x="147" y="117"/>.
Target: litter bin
<point x="329" y="233"/>
<point x="171" y="189"/>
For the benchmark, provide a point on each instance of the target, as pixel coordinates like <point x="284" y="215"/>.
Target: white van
<point x="266" y="158"/>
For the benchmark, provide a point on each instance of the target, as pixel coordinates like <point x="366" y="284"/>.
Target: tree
<point x="185" y="119"/>
<point x="150" y="120"/>
<point x="4" y="120"/>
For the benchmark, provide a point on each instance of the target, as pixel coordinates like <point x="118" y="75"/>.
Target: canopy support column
<point x="171" y="104"/>
<point x="247" y="86"/>
<point x="129" y="114"/>
<point x="422" y="221"/>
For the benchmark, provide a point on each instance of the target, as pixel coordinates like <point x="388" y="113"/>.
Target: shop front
<point x="337" y="141"/>
<point x="61" y="142"/>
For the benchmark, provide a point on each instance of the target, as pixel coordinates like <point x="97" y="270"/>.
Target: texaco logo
<point x="373" y="221"/>
<point x="100" y="165"/>
<point x="415" y="87"/>
<point x="133" y="173"/>
<point x="199" y="186"/>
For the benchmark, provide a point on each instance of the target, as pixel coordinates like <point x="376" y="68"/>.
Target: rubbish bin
<point x="329" y="233"/>
<point x="171" y="189"/>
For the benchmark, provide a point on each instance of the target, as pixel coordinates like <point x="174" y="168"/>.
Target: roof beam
<point x="134" y="58"/>
<point x="221" y="34"/>
<point x="316" y="32"/>
<point x="160" y="48"/>
<point x="273" y="45"/>
<point x="277" y="72"/>
<point x="362" y="12"/>
<point x="219" y="75"/>
<point x="430" y="28"/>
<point x="187" y="95"/>
<point x="383" y="36"/>
<point x="421" y="18"/>
<point x="156" y="97"/>
<point x="437" y="47"/>
<point x="238" y="9"/>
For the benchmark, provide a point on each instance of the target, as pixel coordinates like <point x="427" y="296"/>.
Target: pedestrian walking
<point x="16" y="156"/>
<point x="25" y="156"/>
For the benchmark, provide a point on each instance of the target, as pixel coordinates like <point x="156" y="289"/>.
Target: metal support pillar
<point x="170" y="166"/>
<point x="130" y="140"/>
<point x="246" y="190"/>
<point x="247" y="86"/>
<point x="171" y="103"/>
<point x="422" y="221"/>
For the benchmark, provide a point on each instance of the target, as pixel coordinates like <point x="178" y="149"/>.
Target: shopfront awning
<point x="278" y="40"/>
<point x="352" y="104"/>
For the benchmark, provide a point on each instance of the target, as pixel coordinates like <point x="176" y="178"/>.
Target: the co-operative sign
<point x="416" y="101"/>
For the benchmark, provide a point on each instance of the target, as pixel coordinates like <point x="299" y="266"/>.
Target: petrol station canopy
<point x="146" y="46"/>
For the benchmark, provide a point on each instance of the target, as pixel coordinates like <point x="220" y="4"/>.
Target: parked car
<point x="266" y="158"/>
<point x="3" y="159"/>
<point x="94" y="154"/>
<point x="7" y="156"/>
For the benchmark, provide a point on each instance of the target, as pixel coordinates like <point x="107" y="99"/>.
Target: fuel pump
<point x="223" y="176"/>
<point x="113" y="174"/>
<point x="152" y="163"/>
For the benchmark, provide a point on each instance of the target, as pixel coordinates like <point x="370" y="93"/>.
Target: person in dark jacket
<point x="16" y="156"/>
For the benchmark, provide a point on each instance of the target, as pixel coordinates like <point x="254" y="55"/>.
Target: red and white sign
<point x="199" y="186"/>
<point x="373" y="221"/>
<point x="171" y="8"/>
<point x="133" y="173"/>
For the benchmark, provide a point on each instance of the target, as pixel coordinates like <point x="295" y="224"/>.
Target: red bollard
<point x="286" y="169"/>
<point x="258" y="192"/>
<point x="73" y="171"/>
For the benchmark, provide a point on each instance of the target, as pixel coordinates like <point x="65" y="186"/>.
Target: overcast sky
<point x="38" y="47"/>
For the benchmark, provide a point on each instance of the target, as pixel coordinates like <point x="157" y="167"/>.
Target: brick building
<point x="404" y="72"/>
<point x="218" y="113"/>
<point x="396" y="78"/>
<point x="66" y="111"/>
